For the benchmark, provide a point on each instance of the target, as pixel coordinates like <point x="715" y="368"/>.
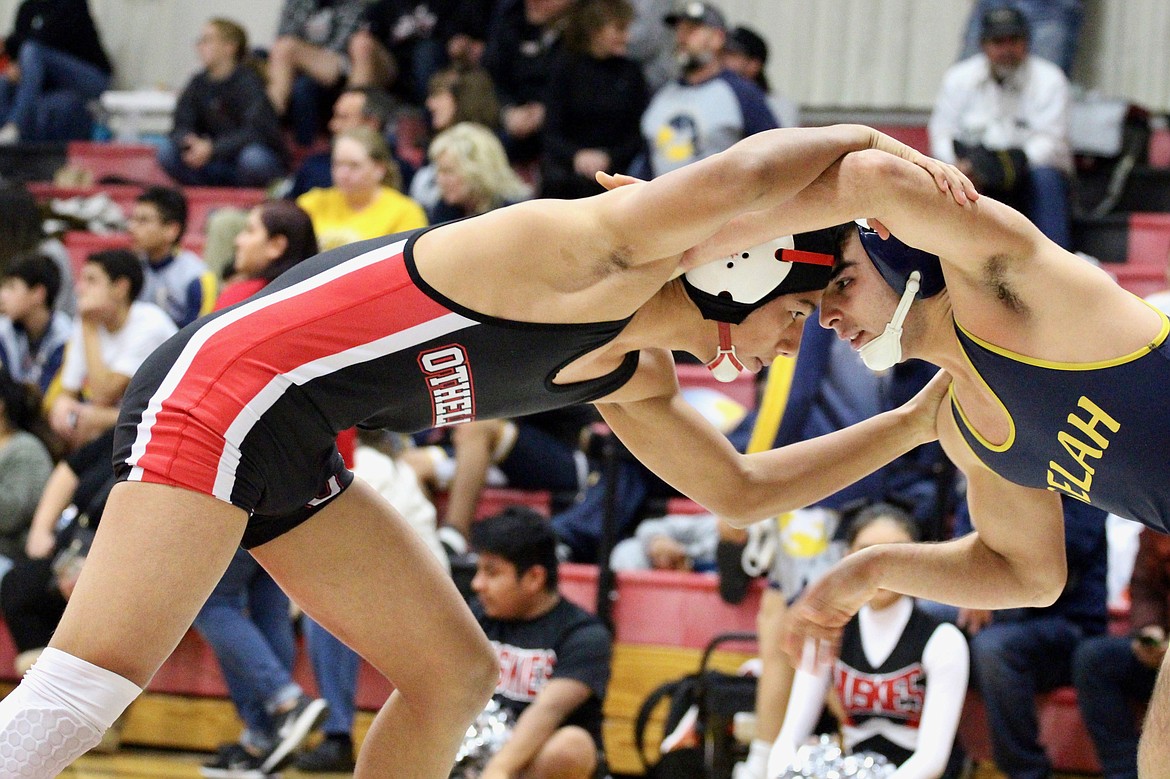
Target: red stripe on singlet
<point x="240" y="360"/>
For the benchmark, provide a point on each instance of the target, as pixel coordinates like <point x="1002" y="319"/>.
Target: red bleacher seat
<point x="493" y="500"/>
<point x="201" y="201"/>
<point x="137" y="162"/>
<point x="1149" y="239"/>
<point x="913" y="135"/>
<point x="1063" y="734"/>
<point x="1141" y="280"/>
<point x="664" y="608"/>
<point x="81" y="244"/>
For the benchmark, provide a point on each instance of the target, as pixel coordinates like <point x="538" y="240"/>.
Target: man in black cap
<point x="707" y="108"/>
<point x="1002" y="117"/>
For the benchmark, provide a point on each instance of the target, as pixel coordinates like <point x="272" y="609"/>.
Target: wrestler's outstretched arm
<point x="1015" y="558"/>
<point x="672" y="439"/>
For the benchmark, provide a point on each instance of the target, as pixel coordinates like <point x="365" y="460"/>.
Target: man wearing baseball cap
<point x="1002" y="117"/>
<point x="706" y="108"/>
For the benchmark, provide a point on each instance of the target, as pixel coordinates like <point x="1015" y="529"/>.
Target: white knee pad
<point x="58" y="713"/>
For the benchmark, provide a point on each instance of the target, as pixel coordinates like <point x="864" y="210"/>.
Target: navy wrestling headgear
<point x="730" y="289"/>
<point x="896" y="261"/>
<point x="912" y="273"/>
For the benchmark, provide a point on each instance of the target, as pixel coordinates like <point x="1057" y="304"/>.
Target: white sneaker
<point x="9" y="135"/>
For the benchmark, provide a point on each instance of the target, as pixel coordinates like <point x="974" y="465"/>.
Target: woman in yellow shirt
<point x="362" y="203"/>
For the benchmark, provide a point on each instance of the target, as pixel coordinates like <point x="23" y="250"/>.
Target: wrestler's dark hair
<point x="120" y="264"/>
<point x="170" y="203"/>
<point x="36" y="270"/>
<point x="883" y="511"/>
<point x="283" y="217"/>
<point x="521" y="536"/>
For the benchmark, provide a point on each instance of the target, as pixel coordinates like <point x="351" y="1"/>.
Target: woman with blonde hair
<point x="364" y="201"/>
<point x="472" y="173"/>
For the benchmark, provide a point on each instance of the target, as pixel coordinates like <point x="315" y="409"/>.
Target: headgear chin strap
<point x="912" y="273"/>
<point x="885" y="351"/>
<point x="728" y="290"/>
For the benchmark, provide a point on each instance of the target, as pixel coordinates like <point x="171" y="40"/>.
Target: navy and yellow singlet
<point x="1099" y="432"/>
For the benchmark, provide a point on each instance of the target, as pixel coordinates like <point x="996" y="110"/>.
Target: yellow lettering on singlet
<point x="1079" y="486"/>
<point x="1079" y="450"/>
<point x="1089" y="426"/>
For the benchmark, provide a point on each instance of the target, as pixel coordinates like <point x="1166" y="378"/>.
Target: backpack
<point x="696" y="744"/>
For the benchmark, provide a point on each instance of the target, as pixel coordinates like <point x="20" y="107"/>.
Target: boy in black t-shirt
<point x="554" y="656"/>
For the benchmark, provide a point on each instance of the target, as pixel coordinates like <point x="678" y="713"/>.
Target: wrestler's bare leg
<point x="158" y="553"/>
<point x="364" y="575"/>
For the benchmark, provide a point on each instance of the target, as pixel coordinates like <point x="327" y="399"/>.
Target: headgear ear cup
<point x="913" y="274"/>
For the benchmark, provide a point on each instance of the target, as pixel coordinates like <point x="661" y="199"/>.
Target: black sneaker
<point x="234" y="762"/>
<point x="292" y="728"/>
<point x="333" y="755"/>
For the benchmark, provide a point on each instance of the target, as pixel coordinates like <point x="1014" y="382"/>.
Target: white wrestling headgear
<point x="728" y="290"/>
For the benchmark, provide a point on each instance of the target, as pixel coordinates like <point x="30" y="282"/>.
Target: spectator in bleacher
<point x="1002" y="117"/>
<point x="746" y="52"/>
<point x="472" y="173"/>
<point x="535" y="452"/>
<point x="335" y="665"/>
<point x="33" y="594"/>
<point x="828" y="388"/>
<point x="22" y="233"/>
<point x="246" y="619"/>
<point x="554" y="656"/>
<point x="55" y="66"/>
<point x="402" y="44"/>
<point x="364" y="201"/>
<point x="308" y="61"/>
<point x="523" y="42"/>
<point x="1056" y="26"/>
<point x="707" y="108"/>
<point x="32" y="334"/>
<point x="595" y="101"/>
<point x="355" y="107"/>
<point x="672" y="543"/>
<point x="1018" y="653"/>
<point x="276" y="236"/>
<point x="174" y="278"/>
<point x="456" y="94"/>
<point x="1115" y="674"/>
<point x="24" y="465"/>
<point x="900" y="678"/>
<point x="112" y="334"/>
<point x="225" y="130"/>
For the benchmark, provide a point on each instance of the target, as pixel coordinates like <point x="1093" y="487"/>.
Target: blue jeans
<point x="255" y="166"/>
<point x="335" y="667"/>
<point x="44" y="69"/>
<point x="246" y="623"/>
<point x="1011" y="662"/>
<point x="1109" y="681"/>
<point x="1048" y="208"/>
<point x="1055" y="25"/>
